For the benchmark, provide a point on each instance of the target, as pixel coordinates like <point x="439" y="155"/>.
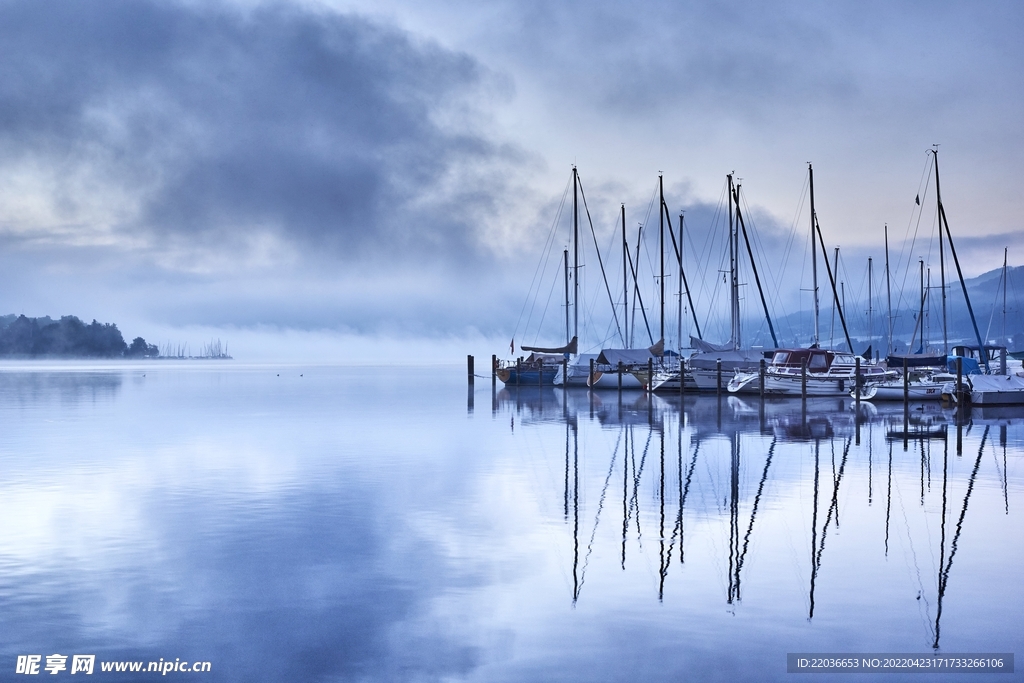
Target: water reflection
<point x="715" y="444"/>
<point x="325" y="524"/>
<point x="21" y="388"/>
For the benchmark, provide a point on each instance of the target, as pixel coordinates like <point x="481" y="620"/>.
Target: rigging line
<point x="543" y="261"/>
<point x="834" y="506"/>
<point x="753" y="512"/>
<point x="723" y="253"/>
<point x="679" y="259"/>
<point x="910" y="546"/>
<point x="944" y="576"/>
<point x="920" y="212"/>
<point x="995" y="304"/>
<point x="637" y="295"/>
<point x="544" y="313"/>
<point x="835" y="292"/>
<point x="600" y="261"/>
<point x="922" y="186"/>
<point x="677" y="527"/>
<point x="686" y="492"/>
<point x="761" y="252"/>
<point x="753" y="265"/>
<point x="597" y="516"/>
<point x="643" y="234"/>
<point x="637" y="474"/>
<point x="702" y="254"/>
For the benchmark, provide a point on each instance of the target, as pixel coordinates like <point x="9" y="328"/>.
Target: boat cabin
<point x="996" y="356"/>
<point x="818" y="360"/>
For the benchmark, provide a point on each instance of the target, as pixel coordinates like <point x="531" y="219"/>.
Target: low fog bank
<point x="268" y="344"/>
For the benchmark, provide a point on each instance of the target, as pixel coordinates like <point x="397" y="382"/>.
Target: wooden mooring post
<point x="469" y="369"/>
<point x="856" y="386"/>
<point x="959" y="391"/>
<point x="681" y="367"/>
<point x="760" y="372"/>
<point x="718" y="383"/>
<point x="906" y="383"/>
<point x="803" y="381"/>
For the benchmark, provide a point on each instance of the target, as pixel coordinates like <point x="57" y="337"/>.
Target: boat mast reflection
<point x="645" y="426"/>
<point x="945" y="564"/>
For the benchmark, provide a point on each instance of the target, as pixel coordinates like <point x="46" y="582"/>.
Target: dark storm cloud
<point x="221" y="124"/>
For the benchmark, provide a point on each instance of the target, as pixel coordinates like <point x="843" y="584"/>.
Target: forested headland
<point x="69" y="337"/>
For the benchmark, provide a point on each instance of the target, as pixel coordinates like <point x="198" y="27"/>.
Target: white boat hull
<point x="917" y="391"/>
<point x="997" y="390"/>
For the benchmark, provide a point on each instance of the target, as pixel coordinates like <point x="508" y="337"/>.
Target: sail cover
<point x="708" y="347"/>
<point x="612" y="357"/>
<point x="568" y="348"/>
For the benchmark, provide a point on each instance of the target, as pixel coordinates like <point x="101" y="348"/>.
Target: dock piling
<point x="760" y="372"/>
<point x="959" y="390"/>
<point x="680" y="379"/>
<point x="856" y="388"/>
<point x="906" y="384"/>
<point x="803" y="381"/>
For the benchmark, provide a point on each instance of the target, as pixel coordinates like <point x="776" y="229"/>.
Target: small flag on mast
<point x="512" y="346"/>
<point x="917" y="200"/>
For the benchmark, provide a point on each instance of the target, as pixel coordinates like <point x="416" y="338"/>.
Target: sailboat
<point x="545" y="365"/>
<point x="714" y="364"/>
<point x="613" y="368"/>
<point x="814" y="371"/>
<point x="931" y="376"/>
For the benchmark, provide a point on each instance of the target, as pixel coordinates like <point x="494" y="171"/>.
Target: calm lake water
<point x="301" y="523"/>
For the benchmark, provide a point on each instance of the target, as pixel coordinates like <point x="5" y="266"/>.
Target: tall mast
<point x="920" y="314"/>
<point x="832" y="322"/>
<point x="734" y="294"/>
<point x="625" y="278"/>
<point x="565" y="260"/>
<point x="814" y="256"/>
<point x="871" y="338"/>
<point x="575" y="256"/>
<point x="661" y="249"/>
<point x="927" y="329"/>
<point x="888" y="291"/>
<point x="959" y="273"/>
<point x="1005" y="283"/>
<point x="679" y="314"/>
<point x="682" y="273"/>
<point x="942" y="266"/>
<point x="637" y="297"/>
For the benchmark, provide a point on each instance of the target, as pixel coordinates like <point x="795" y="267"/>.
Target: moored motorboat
<point x="811" y="372"/>
<point x="996" y="390"/>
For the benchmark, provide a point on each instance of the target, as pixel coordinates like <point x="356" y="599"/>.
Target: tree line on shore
<point x="69" y="337"/>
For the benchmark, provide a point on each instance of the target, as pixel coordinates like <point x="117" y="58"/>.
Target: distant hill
<point x="69" y="337"/>
<point x="985" y="290"/>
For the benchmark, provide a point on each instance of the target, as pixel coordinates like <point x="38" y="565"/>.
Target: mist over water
<point x="304" y="522"/>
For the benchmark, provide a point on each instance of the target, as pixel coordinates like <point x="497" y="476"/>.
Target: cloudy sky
<point x="393" y="169"/>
